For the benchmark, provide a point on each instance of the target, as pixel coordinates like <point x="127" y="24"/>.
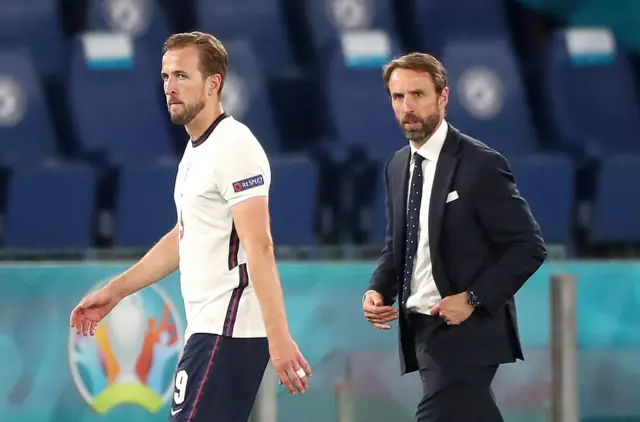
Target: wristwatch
<point x="472" y="299"/>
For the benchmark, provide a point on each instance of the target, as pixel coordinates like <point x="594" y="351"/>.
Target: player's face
<point x="417" y="106"/>
<point x="184" y="86"/>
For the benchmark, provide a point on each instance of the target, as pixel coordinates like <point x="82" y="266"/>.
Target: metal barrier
<point x="564" y="349"/>
<point x="265" y="408"/>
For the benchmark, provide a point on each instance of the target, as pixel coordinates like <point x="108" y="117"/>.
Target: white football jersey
<point x="224" y="167"/>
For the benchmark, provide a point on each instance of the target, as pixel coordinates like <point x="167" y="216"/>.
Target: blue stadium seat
<point x="594" y="105"/>
<point x="245" y="94"/>
<point x="50" y="207"/>
<point x="26" y="131"/>
<point x="117" y="111"/>
<point x="35" y="24"/>
<point x="437" y="21"/>
<point x="261" y="21"/>
<point x="360" y="108"/>
<point x="144" y="215"/>
<point x="293" y="197"/>
<point x="546" y="182"/>
<point x="487" y="97"/>
<point x="617" y="202"/>
<point x="144" y="21"/>
<point x="329" y="18"/>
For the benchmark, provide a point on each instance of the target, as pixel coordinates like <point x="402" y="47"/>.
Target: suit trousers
<point x="452" y="393"/>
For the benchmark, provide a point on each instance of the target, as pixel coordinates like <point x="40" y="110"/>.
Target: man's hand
<point x="90" y="311"/>
<point x="376" y="312"/>
<point x="289" y="364"/>
<point x="453" y="309"/>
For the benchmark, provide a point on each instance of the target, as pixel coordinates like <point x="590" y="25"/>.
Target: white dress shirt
<point x="424" y="292"/>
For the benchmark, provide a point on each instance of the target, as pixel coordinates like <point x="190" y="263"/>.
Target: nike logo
<point x="175" y="412"/>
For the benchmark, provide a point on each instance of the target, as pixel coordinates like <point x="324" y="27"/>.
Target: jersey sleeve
<point x="243" y="170"/>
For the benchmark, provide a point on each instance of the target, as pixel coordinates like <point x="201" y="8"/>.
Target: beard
<point x="427" y="126"/>
<point x="185" y="114"/>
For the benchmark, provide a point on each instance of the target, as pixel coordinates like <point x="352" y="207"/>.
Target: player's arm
<point x="251" y="219"/>
<point x="159" y="262"/>
<point x="243" y="176"/>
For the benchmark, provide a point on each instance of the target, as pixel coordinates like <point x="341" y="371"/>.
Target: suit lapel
<point x="400" y="206"/>
<point x="445" y="169"/>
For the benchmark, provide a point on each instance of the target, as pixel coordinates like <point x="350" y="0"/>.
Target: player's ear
<point x="443" y="99"/>
<point x="214" y="84"/>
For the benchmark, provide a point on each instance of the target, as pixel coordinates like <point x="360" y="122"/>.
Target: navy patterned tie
<point x="413" y="225"/>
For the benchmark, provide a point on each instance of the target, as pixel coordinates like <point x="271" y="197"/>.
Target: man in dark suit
<point x="460" y="243"/>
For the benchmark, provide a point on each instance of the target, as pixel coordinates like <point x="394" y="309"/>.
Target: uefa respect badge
<point x="131" y="357"/>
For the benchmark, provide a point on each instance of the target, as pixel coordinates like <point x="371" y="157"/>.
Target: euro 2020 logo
<point x="132" y="357"/>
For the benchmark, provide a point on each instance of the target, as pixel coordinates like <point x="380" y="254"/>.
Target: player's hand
<point x="376" y="312"/>
<point x="289" y="363"/>
<point x="454" y="310"/>
<point x="90" y="311"/>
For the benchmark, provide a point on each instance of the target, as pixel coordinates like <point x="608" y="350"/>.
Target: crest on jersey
<point x="132" y="355"/>
<point x="251" y="182"/>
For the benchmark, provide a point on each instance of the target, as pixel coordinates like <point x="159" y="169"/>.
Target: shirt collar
<point x="431" y="149"/>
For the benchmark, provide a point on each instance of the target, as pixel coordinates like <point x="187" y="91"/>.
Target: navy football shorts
<point x="217" y="378"/>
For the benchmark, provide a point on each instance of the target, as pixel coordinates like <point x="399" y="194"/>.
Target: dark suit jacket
<point x="486" y="240"/>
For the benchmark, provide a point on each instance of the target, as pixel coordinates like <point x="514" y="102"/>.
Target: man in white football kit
<point x="221" y="244"/>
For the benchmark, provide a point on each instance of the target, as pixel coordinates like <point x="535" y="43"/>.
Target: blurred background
<point x="88" y="158"/>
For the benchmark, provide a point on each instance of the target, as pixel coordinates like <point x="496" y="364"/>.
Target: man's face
<point x="417" y="106"/>
<point x="184" y="86"/>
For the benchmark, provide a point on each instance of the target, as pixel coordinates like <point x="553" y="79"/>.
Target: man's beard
<point x="427" y="126"/>
<point x="187" y="114"/>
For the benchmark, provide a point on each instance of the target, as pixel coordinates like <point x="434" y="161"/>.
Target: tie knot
<point x="417" y="158"/>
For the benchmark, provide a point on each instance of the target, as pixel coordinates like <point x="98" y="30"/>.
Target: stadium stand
<point x="35" y="25"/>
<point x="293" y="201"/>
<point x="488" y="99"/>
<point x="51" y="207"/>
<point x="617" y="204"/>
<point x="593" y="98"/>
<point x="24" y="114"/>
<point x="121" y="90"/>
<point x="245" y="93"/>
<point x="144" y="194"/>
<point x="70" y="110"/>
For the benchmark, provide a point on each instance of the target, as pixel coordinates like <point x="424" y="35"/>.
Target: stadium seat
<point x="144" y="214"/>
<point x="50" y="207"/>
<point x="546" y="182"/>
<point x="617" y="201"/>
<point x="293" y="198"/>
<point x="26" y="131"/>
<point x="35" y="24"/>
<point x="116" y="104"/>
<point x="260" y="21"/>
<point x="245" y="94"/>
<point x="487" y="99"/>
<point x="364" y="116"/>
<point x="329" y="18"/>
<point x="144" y="21"/>
<point x="593" y="103"/>
<point x="437" y="21"/>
